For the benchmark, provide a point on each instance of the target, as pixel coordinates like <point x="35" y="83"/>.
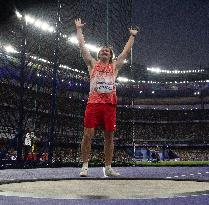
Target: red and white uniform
<point x="101" y="106"/>
<point x="102" y="84"/>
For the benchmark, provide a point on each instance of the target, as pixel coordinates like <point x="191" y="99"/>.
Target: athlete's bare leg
<point x="108" y="151"/>
<point x="86" y="144"/>
<point x="108" y="147"/>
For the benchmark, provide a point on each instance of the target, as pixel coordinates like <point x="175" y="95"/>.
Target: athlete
<point x="101" y="105"/>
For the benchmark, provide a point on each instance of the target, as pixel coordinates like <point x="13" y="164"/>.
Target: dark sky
<point x="174" y="33"/>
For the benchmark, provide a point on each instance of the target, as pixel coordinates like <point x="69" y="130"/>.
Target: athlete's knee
<point x="109" y="138"/>
<point x="88" y="134"/>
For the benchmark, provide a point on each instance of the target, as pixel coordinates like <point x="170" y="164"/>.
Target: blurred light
<point x="122" y="79"/>
<point x="29" y="19"/>
<point x="45" y="26"/>
<point x="10" y="49"/>
<point x="18" y="14"/>
<point x="38" y="23"/>
<point x="51" y="29"/>
<point x="92" y="48"/>
<point x="73" y="40"/>
<point x="156" y="70"/>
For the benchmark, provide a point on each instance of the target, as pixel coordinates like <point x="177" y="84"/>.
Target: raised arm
<point x="120" y="60"/>
<point x="85" y="52"/>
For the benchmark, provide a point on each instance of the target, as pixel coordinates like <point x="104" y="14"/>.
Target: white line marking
<point x="181" y="196"/>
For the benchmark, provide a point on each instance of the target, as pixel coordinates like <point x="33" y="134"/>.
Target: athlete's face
<point x="104" y="53"/>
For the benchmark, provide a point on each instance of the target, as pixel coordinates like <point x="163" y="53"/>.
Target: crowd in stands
<point x="152" y="115"/>
<point x="192" y="154"/>
<point x="188" y="132"/>
<point x="190" y="126"/>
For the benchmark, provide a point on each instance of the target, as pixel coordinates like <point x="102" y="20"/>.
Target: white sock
<point x="108" y="167"/>
<point x="85" y="164"/>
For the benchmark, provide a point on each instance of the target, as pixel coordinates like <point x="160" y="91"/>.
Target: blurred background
<point x="163" y="87"/>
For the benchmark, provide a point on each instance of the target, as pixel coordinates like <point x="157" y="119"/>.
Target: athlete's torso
<point x="102" y="84"/>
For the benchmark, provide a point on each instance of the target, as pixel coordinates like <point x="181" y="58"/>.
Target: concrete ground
<point x="136" y="185"/>
<point x="104" y="189"/>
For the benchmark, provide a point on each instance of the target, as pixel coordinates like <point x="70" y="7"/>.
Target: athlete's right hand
<point x="78" y="23"/>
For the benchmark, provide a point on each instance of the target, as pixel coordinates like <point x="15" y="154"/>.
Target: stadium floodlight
<point x="18" y="14"/>
<point x="92" y="47"/>
<point x="38" y="23"/>
<point x="34" y="57"/>
<point x="10" y="49"/>
<point x="46" y="27"/>
<point x="44" y="60"/>
<point x="73" y="40"/>
<point x="29" y="19"/>
<point x="122" y="79"/>
<point x="51" y="29"/>
<point x="155" y="70"/>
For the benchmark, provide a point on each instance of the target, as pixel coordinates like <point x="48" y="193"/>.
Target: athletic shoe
<point x="84" y="172"/>
<point x="110" y="172"/>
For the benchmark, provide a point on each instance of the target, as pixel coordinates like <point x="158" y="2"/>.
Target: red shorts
<point x="100" y="114"/>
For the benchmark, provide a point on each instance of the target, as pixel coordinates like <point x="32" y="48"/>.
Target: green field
<point x="170" y="163"/>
